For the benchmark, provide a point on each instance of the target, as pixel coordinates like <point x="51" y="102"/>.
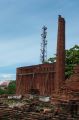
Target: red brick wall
<point x="60" y="60"/>
<point x="40" y="77"/>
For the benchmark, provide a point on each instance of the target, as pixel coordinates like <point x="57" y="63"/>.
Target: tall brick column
<point x="60" y="58"/>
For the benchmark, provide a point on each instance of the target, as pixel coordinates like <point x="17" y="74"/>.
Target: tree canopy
<point x="72" y="59"/>
<point x="11" y="89"/>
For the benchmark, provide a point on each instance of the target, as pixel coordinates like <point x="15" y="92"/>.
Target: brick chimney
<point x="60" y="56"/>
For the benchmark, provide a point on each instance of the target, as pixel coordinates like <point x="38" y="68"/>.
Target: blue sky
<point x="20" y="30"/>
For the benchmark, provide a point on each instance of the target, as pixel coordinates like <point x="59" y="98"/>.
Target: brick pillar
<point x="60" y="58"/>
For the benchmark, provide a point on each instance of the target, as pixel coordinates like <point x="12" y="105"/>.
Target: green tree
<point x="52" y="59"/>
<point x="72" y="59"/>
<point x="2" y="91"/>
<point x="11" y="87"/>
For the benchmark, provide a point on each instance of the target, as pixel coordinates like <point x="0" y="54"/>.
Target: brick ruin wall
<point x="38" y="77"/>
<point x="48" y="78"/>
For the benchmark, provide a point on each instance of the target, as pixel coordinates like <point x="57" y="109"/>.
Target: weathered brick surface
<point x="60" y="60"/>
<point x="73" y="81"/>
<point x="38" y="77"/>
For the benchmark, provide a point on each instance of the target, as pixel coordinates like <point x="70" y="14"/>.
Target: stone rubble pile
<point x="31" y="111"/>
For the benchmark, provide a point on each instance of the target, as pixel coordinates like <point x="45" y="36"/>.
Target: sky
<point x="21" y="23"/>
